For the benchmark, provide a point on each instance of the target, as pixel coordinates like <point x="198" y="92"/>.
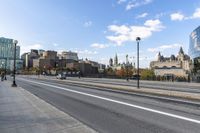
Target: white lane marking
<point x="120" y="102"/>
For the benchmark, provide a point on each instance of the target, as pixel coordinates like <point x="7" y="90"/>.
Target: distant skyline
<point x="99" y="29"/>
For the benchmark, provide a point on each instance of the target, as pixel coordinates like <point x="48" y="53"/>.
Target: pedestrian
<point x="79" y="74"/>
<point x="2" y="76"/>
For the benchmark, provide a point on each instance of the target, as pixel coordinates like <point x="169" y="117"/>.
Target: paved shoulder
<point x="23" y="112"/>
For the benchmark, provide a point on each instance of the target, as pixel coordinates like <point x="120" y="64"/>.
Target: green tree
<point x="110" y="71"/>
<point x="147" y="74"/>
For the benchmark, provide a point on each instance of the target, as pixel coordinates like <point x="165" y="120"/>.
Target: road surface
<point x="173" y="86"/>
<point x="176" y="86"/>
<point x="111" y="112"/>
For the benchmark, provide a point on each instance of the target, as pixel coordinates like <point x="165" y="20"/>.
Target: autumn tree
<point x="121" y="73"/>
<point x="147" y="74"/>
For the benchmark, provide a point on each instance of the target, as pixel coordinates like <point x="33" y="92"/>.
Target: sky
<point x="99" y="29"/>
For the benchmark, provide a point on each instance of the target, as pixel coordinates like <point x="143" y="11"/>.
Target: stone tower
<point x="159" y="57"/>
<point x="111" y="62"/>
<point x="181" y="51"/>
<point x="116" y="60"/>
<point x="181" y="55"/>
<point x="127" y="62"/>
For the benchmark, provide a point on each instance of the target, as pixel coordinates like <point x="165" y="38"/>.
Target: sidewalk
<point x="22" y="112"/>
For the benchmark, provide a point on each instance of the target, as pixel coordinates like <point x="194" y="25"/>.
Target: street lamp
<point x="4" y="65"/>
<point x="14" y="65"/>
<point x="138" y="78"/>
<point x="5" y="68"/>
<point x="127" y="76"/>
<point x="126" y="66"/>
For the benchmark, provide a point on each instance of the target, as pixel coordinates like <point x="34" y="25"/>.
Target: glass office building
<point x="194" y="53"/>
<point x="194" y="47"/>
<point x="7" y="52"/>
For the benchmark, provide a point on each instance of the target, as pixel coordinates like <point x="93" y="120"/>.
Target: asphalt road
<point x="110" y="112"/>
<point x="173" y="86"/>
<point x="176" y="86"/>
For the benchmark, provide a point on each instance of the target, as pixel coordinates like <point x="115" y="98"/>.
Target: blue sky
<point x="98" y="29"/>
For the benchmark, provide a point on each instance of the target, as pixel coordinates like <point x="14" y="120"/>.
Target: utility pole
<point x="138" y="77"/>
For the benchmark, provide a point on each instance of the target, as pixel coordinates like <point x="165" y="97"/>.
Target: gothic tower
<point x="116" y="60"/>
<point x="159" y="56"/>
<point x="111" y="62"/>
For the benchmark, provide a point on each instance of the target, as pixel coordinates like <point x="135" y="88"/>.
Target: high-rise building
<point x="28" y="58"/>
<point x="194" y="52"/>
<point x="50" y="54"/>
<point x="7" y="48"/>
<point x="194" y="46"/>
<point x="7" y="52"/>
<point x="40" y="52"/>
<point x="69" y="55"/>
<point x="47" y="61"/>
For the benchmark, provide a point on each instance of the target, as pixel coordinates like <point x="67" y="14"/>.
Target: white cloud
<point x="164" y="47"/>
<point x="137" y="3"/>
<point x="143" y="15"/>
<point x="123" y="29"/>
<point x="177" y="16"/>
<point x="55" y="44"/>
<point x="121" y="1"/>
<point x="86" y="52"/>
<point x="118" y="39"/>
<point x="99" y="45"/>
<point x="196" y="14"/>
<point x="87" y="24"/>
<point x="154" y="25"/>
<point x="130" y="6"/>
<point x="26" y="48"/>
<point x="125" y="33"/>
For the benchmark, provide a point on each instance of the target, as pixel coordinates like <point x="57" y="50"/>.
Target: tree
<point x="147" y="74"/>
<point x="110" y="71"/>
<point x="121" y="73"/>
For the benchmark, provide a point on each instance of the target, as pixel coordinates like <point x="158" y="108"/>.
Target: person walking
<point x="2" y="76"/>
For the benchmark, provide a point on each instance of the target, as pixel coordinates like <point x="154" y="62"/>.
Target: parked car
<point x="61" y="76"/>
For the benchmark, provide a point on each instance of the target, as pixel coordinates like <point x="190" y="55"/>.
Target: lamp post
<point x="14" y="65"/>
<point x="127" y="78"/>
<point x="4" y="65"/>
<point x="5" y="68"/>
<point x="1" y="66"/>
<point x="138" y="78"/>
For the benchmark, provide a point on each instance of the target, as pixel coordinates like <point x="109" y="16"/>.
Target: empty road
<point x="112" y="112"/>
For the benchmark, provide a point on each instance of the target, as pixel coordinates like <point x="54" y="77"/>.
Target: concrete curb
<point x="178" y="94"/>
<point x="158" y="92"/>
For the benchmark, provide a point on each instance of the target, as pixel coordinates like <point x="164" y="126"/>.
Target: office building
<point x="48" y="60"/>
<point x="69" y="55"/>
<point x="194" y="53"/>
<point x="28" y="58"/>
<point x="49" y="55"/>
<point x="7" y="52"/>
